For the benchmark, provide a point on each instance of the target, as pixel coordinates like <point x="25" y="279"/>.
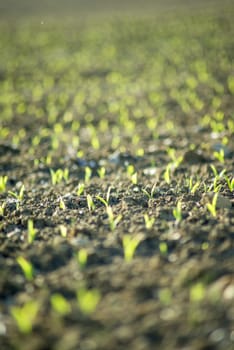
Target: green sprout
<point x="105" y="201"/>
<point x="88" y="174"/>
<point x="63" y="231"/>
<point x="163" y="248"/>
<point x="212" y="206"/>
<point x="25" y="315"/>
<point x="90" y="202"/>
<point x="230" y="183"/>
<point x="26" y="267"/>
<point x="150" y="194"/>
<point x="197" y="292"/>
<point x="215" y="172"/>
<point x="2" y="208"/>
<point x="129" y="246"/>
<point x="60" y="304"/>
<point x="101" y="172"/>
<point x="134" y="178"/>
<point x="177" y="212"/>
<point x="130" y="170"/>
<point x="193" y="186"/>
<point x="3" y="182"/>
<point x="167" y="174"/>
<point x="31" y="232"/>
<point x="62" y="204"/>
<point x="18" y="196"/>
<point x="113" y="221"/>
<point x="219" y="155"/>
<point x="82" y="257"/>
<point x="148" y="221"/>
<point x="80" y="189"/>
<point x="132" y="174"/>
<point x="88" y="300"/>
<point x="57" y="176"/>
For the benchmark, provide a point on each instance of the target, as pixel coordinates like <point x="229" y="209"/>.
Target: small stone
<point x="150" y="171"/>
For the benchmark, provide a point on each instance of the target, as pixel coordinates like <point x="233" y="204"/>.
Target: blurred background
<point x="19" y="8"/>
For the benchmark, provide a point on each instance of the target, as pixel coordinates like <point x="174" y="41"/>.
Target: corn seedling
<point x="62" y="205"/>
<point x="215" y="172"/>
<point x="63" y="231"/>
<point x="230" y="183"/>
<point x="57" y="176"/>
<point x="215" y="186"/>
<point x="167" y="174"/>
<point x="132" y="174"/>
<point x="113" y="221"/>
<point x="101" y="172"/>
<point x="219" y="155"/>
<point x="18" y="196"/>
<point x="90" y="202"/>
<point x="129" y="246"/>
<point x="130" y="170"/>
<point x="26" y="267"/>
<point x="2" y="208"/>
<point x="60" y="304"/>
<point x="163" y="248"/>
<point x="176" y="161"/>
<point x="150" y="194"/>
<point x="88" y="174"/>
<point x="105" y="201"/>
<point x="31" y="231"/>
<point x="212" y="206"/>
<point x="25" y="315"/>
<point x="82" y="257"/>
<point x="148" y="221"/>
<point x="197" y="292"/>
<point x="88" y="300"/>
<point x="3" y="182"/>
<point x="134" y="178"/>
<point x="193" y="186"/>
<point x="80" y="189"/>
<point x="177" y="212"/>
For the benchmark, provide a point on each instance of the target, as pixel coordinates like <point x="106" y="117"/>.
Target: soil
<point x="177" y="291"/>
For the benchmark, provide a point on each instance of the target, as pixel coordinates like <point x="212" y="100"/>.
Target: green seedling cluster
<point x="59" y="175"/>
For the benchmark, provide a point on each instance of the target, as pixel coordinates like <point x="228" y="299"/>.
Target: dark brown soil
<point x="177" y="292"/>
